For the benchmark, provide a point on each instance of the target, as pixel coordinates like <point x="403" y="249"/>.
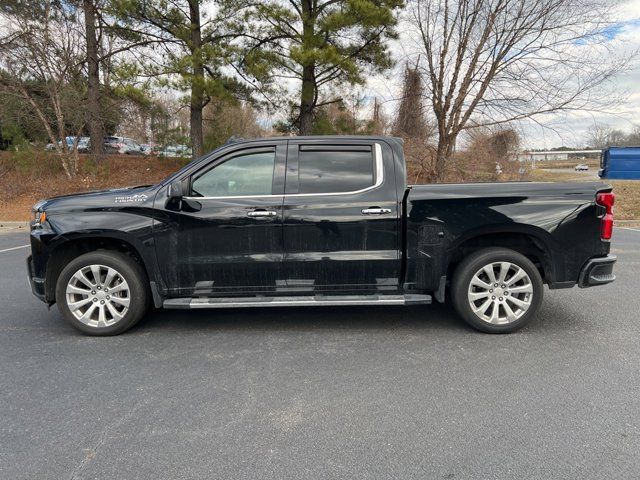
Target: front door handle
<point x="375" y="211"/>
<point x="262" y="213"/>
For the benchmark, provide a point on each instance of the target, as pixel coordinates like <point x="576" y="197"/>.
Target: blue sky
<point x="616" y="30"/>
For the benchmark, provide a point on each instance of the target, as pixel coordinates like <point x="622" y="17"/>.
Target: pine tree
<point x="188" y="49"/>
<point x="320" y="45"/>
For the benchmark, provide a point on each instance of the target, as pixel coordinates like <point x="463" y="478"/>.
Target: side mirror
<point x="176" y="190"/>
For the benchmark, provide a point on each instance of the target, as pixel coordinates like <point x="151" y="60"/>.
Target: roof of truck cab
<point x="317" y="137"/>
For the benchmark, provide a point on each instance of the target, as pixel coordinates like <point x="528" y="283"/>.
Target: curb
<point x="627" y="223"/>
<point x="12" y="225"/>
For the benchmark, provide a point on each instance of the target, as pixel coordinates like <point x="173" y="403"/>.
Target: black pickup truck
<point x="316" y="221"/>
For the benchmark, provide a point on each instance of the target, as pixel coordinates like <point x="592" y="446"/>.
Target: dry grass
<point x="627" y="191"/>
<point x="27" y="177"/>
<point x="592" y="162"/>
<point x="627" y="199"/>
<point x="538" y="175"/>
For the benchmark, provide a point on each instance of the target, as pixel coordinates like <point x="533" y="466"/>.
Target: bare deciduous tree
<point x="492" y="62"/>
<point x="489" y="156"/>
<point x="41" y="61"/>
<point x="599" y="135"/>
<point x="603" y="136"/>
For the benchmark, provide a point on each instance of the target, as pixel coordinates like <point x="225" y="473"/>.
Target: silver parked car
<point x="83" y="144"/>
<point x="173" y="151"/>
<point x="122" y="145"/>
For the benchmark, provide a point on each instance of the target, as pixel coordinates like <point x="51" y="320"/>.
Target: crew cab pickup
<point x="310" y="221"/>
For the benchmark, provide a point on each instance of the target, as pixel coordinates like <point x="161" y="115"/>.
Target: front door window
<point x="243" y="175"/>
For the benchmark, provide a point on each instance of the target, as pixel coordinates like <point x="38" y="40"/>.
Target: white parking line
<point x="629" y="228"/>
<point x="15" y="248"/>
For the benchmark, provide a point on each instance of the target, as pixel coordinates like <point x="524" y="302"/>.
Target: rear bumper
<point x="597" y="271"/>
<point x="37" y="284"/>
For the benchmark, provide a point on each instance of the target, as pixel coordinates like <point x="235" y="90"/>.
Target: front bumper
<point x="597" y="271"/>
<point x="37" y="283"/>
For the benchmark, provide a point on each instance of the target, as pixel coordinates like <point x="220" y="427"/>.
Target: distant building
<point x="556" y="155"/>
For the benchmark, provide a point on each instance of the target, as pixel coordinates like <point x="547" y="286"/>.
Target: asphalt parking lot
<point x="384" y="392"/>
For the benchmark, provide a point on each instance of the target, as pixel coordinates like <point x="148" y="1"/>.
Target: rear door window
<point x="334" y="170"/>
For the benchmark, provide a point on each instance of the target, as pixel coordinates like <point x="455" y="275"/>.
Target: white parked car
<point x="583" y="167"/>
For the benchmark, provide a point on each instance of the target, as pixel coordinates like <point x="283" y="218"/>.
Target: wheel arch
<point x="532" y="242"/>
<point x="73" y="246"/>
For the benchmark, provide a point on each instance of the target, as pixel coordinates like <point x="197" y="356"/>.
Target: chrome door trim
<point x="379" y="181"/>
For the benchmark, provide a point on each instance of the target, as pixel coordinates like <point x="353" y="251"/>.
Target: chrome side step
<point x="296" y="301"/>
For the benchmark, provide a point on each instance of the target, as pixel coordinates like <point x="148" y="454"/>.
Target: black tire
<point x="461" y="290"/>
<point x="137" y="293"/>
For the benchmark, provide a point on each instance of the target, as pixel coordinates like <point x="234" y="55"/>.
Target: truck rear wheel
<point x="102" y="293"/>
<point x="497" y="290"/>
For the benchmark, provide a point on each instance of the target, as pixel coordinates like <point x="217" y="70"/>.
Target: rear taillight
<point x="606" y="200"/>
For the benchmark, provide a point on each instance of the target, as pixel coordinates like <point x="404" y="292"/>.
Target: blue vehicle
<point x="620" y="163"/>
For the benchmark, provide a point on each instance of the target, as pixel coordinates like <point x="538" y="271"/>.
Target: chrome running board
<point x="296" y="301"/>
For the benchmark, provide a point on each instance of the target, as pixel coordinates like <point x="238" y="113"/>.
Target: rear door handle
<point x="375" y="211"/>
<point x="262" y="213"/>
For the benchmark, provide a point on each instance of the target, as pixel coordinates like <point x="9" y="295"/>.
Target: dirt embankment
<point x="26" y="177"/>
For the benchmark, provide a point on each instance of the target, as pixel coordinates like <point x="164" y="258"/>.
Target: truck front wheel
<point x="497" y="290"/>
<point x="102" y="293"/>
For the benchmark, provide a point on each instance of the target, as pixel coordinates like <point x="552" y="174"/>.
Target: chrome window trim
<point x="379" y="181"/>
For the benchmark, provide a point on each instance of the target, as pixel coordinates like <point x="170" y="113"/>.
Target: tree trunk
<point x="94" y="113"/>
<point x="443" y="155"/>
<point x="197" y="84"/>
<point x="307" y="101"/>
<point x="70" y="167"/>
<point x="308" y="92"/>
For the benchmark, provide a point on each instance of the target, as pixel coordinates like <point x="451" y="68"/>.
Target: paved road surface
<point x="324" y="393"/>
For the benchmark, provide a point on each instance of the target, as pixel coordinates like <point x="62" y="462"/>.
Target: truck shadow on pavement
<point x="430" y="317"/>
<point x="555" y="316"/>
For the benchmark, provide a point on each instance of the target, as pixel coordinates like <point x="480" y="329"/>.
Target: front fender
<point x="65" y="235"/>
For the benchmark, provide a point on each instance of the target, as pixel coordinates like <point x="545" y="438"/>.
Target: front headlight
<point x="39" y="216"/>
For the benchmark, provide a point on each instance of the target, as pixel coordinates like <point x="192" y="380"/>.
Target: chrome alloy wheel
<point x="98" y="296"/>
<point x="500" y="293"/>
